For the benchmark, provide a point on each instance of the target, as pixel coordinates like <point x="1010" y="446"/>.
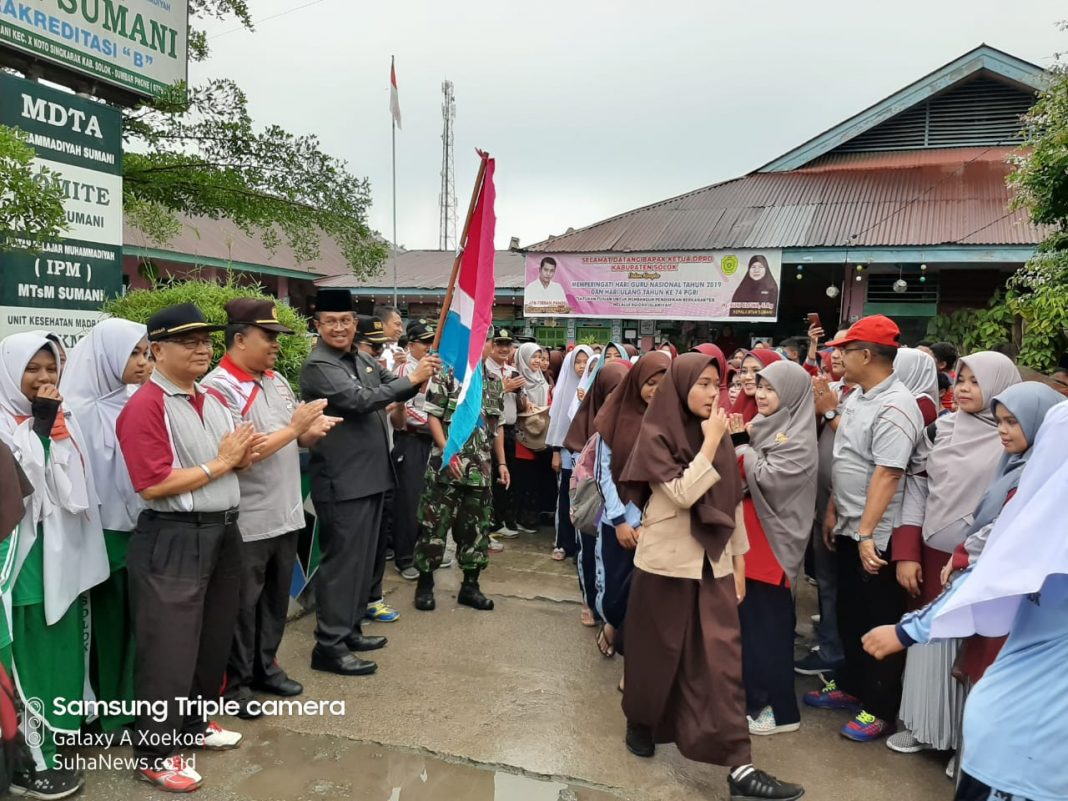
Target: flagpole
<point x="461" y="246"/>
<point x="393" y="125"/>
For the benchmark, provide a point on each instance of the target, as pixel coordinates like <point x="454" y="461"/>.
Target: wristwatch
<point x="830" y="414"/>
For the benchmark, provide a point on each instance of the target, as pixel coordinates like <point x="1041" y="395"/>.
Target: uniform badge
<point x="367" y="369"/>
<point x="781" y="438"/>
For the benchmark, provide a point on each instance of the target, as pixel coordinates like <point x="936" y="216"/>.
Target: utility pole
<point x="447" y="197"/>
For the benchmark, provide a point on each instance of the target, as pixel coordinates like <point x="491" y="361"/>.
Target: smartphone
<point x="814" y="320"/>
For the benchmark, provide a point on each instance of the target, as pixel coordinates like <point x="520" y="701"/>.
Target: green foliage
<point x="31" y="205"/>
<point x="974" y="329"/>
<point x="211" y="297"/>
<point x="1038" y="293"/>
<point x="589" y="339"/>
<point x="197" y="151"/>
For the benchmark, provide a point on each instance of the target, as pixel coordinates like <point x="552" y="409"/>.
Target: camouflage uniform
<point x="464" y="505"/>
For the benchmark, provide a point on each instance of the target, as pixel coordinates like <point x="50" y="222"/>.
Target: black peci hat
<point x="253" y="311"/>
<point x="174" y="321"/>
<point x="333" y="300"/>
<point x="502" y="334"/>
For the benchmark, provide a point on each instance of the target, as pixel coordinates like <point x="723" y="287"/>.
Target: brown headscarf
<point x="556" y="361"/>
<point x="14" y="487"/>
<point x="620" y="419"/>
<point x="670" y="438"/>
<point x="608" y="378"/>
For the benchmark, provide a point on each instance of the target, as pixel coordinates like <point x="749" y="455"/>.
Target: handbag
<point x="532" y="427"/>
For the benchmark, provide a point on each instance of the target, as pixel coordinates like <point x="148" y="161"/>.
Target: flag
<point x="394" y="100"/>
<point x="470" y="315"/>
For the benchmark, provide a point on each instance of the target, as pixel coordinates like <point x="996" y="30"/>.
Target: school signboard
<point x="140" y="46"/>
<point x="62" y="286"/>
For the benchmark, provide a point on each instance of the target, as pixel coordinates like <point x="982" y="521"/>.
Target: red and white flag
<point x="394" y="101"/>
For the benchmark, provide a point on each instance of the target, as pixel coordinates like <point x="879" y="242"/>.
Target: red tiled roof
<point x="901" y="198"/>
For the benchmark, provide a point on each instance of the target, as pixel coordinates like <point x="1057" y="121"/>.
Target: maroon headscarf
<point x="556" y="362"/>
<point x="672" y="348"/>
<point x="608" y="378"/>
<point x="745" y="405"/>
<point x="14" y="488"/>
<point x="669" y="440"/>
<point x="631" y="350"/>
<point x="620" y="419"/>
<point x="716" y="353"/>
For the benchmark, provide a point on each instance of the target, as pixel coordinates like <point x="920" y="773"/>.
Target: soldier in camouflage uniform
<point x="460" y="496"/>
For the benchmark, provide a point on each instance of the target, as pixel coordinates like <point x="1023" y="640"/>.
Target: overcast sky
<point x="591" y="108"/>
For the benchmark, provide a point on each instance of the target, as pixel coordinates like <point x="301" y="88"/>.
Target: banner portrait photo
<point x="707" y="285"/>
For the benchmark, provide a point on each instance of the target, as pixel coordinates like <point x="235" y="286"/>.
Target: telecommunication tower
<point x="447" y="197"/>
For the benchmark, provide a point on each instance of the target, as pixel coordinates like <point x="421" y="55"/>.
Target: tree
<point x="31" y="206"/>
<point x="197" y="151"/>
<point x="1039" y="292"/>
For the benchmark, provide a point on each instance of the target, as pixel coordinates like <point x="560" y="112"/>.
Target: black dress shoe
<point x="424" y="593"/>
<point x="246" y="712"/>
<point x="363" y="642"/>
<point x="347" y="665"/>
<point x="286" y="688"/>
<point x="640" y="740"/>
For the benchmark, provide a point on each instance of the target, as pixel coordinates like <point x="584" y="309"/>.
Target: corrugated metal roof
<point x="430" y="269"/>
<point x="927" y="198"/>
<point x="221" y="239"/>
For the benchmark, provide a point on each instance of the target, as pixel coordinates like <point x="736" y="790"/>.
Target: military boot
<point x="424" y="593"/>
<point x="471" y="595"/>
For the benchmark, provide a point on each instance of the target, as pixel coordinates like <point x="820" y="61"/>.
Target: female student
<point x="752" y="363"/>
<point x="59" y="553"/>
<point x="952" y="467"/>
<point x="683" y="674"/>
<point x="618" y="422"/>
<point x="560" y="413"/>
<point x="779" y="460"/>
<point x="110" y="358"/>
<point x="533" y="468"/>
<point x="609" y="377"/>
<point x="1013" y="728"/>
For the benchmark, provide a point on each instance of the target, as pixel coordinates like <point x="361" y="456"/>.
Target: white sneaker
<point x="494" y="545"/>
<point x="526" y="529"/>
<point x="905" y="742"/>
<point x="951" y="768"/>
<point x="764" y="723"/>
<point x="506" y="533"/>
<point x="216" y="738"/>
<point x="174" y="776"/>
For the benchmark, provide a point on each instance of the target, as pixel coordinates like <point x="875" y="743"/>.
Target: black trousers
<point x="385" y="537"/>
<point x="348" y="537"/>
<point x="864" y="602"/>
<point x="411" y="452"/>
<point x="586" y="565"/>
<point x="615" y="564"/>
<point x="767" y="619"/>
<point x="566" y="536"/>
<point x="184" y="592"/>
<point x="971" y="789"/>
<point x="504" y="511"/>
<point x="266" y="575"/>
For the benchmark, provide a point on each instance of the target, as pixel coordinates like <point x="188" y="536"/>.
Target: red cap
<point x="878" y="329"/>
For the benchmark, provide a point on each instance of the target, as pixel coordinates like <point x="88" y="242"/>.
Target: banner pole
<point x="461" y="246"/>
<point x="393" y="125"/>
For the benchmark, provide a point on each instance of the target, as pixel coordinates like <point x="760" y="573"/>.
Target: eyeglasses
<point x="343" y="323"/>
<point x="192" y="343"/>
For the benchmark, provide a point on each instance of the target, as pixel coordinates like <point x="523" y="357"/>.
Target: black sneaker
<point x="813" y="664"/>
<point x="48" y="784"/>
<point x="756" y="785"/>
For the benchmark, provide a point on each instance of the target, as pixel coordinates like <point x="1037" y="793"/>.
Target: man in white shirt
<point x="545" y="293"/>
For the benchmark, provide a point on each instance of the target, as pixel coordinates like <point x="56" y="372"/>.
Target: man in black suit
<point x="351" y="472"/>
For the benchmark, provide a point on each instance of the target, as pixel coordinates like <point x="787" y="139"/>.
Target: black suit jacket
<point x="352" y="461"/>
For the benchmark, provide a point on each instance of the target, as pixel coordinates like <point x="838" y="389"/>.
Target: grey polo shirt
<point x="880" y="427"/>
<point x="271" y="502"/>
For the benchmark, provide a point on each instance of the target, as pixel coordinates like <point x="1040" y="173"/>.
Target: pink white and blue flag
<point x="470" y="316"/>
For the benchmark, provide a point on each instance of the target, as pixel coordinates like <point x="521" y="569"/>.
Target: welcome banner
<point x="706" y="285"/>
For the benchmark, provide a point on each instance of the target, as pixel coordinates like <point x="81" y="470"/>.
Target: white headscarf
<point x="593" y="366"/>
<point x="917" y="371"/>
<point x="92" y="388"/>
<point x="564" y="394"/>
<point x="1026" y="546"/>
<point x="64" y="501"/>
<point x="537" y="386"/>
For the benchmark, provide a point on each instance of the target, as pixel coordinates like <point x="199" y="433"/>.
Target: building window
<point x="551" y="337"/>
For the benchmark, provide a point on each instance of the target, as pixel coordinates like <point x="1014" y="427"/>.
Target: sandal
<point x="587" y="617"/>
<point x="604" y="645"/>
<point x="559" y="554"/>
